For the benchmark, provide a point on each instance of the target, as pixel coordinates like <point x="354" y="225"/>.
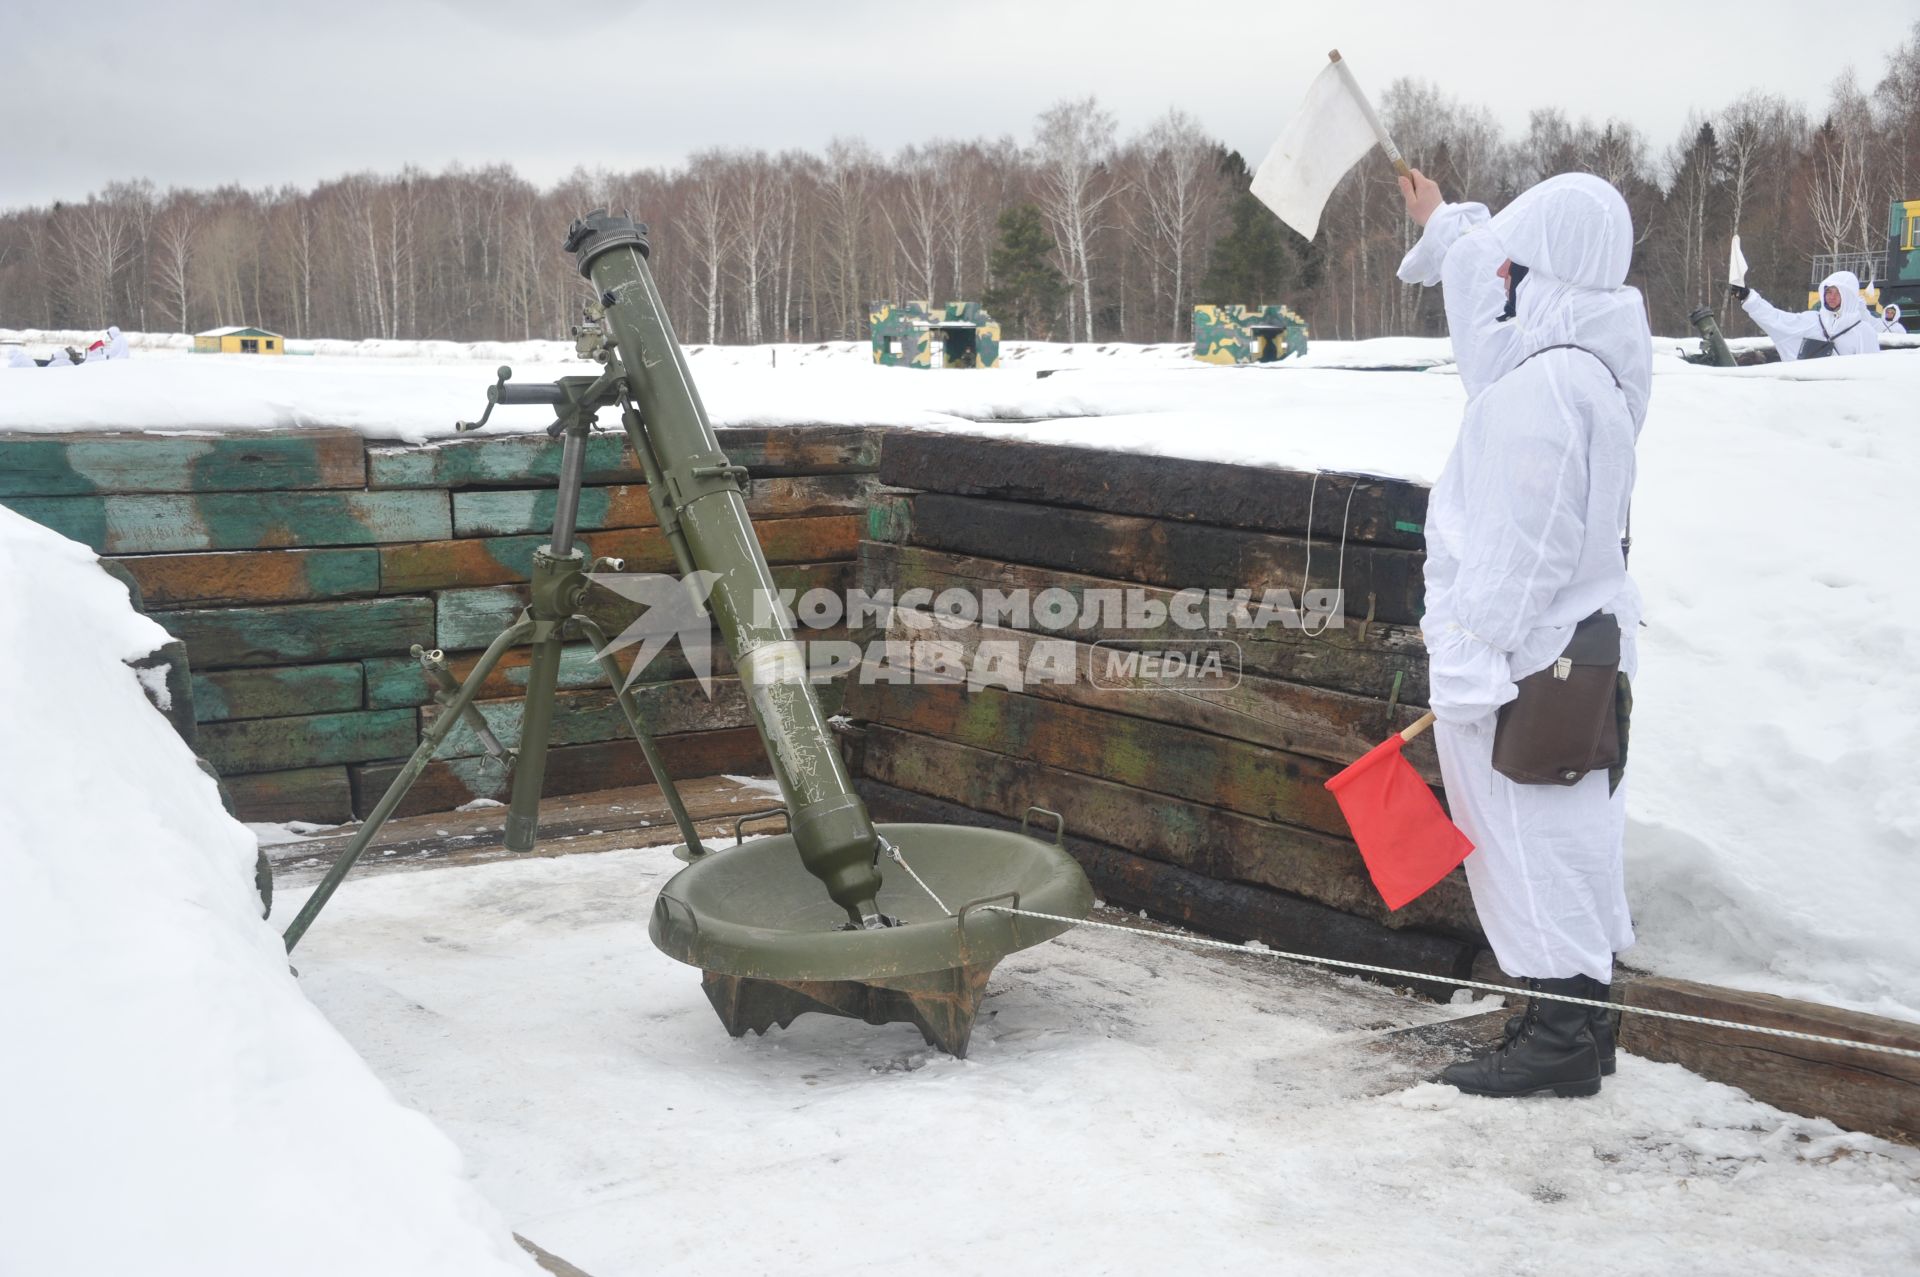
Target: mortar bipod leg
<point x="648" y="749"/>
<point x="536" y="732"/>
<point x="430" y="740"/>
<point x="553" y="587"/>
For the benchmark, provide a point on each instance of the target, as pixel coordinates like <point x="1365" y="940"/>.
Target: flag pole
<point x="1417" y="726"/>
<point x="1366" y="108"/>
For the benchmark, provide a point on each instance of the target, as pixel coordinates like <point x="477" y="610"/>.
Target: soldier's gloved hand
<point x="1738" y="292"/>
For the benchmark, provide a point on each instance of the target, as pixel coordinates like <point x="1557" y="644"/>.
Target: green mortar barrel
<point x="702" y="508"/>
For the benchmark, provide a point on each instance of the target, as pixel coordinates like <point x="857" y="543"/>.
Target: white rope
<point x="901" y="860"/>
<point x="1264" y="952"/>
<point x="1340" y="575"/>
<point x="1204" y="942"/>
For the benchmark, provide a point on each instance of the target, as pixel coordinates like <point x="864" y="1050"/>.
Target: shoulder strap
<point x="1626" y="541"/>
<point x="1568" y="345"/>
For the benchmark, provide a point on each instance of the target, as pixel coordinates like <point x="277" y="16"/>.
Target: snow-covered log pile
<point x="174" y="1102"/>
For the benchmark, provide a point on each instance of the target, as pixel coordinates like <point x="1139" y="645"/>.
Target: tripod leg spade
<point x="430" y="741"/>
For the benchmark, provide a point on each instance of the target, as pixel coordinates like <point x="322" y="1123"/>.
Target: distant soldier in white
<point x="1839" y="325"/>
<point x="1530" y="614"/>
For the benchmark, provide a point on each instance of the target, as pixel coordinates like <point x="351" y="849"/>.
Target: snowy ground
<point x="415" y="391"/>
<point x="1129" y="1107"/>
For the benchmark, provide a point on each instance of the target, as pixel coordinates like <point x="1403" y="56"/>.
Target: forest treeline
<point x="1074" y="234"/>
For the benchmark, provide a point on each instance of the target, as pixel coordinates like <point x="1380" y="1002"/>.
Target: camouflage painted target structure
<point x="1247" y="334"/>
<point x="908" y="333"/>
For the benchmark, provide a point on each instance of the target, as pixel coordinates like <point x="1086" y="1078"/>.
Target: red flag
<point x="1404" y="836"/>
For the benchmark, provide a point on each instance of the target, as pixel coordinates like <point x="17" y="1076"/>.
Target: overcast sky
<point x="195" y="93"/>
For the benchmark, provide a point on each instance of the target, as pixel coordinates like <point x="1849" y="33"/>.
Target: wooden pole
<point x="1417" y="726"/>
<point x="1366" y="108"/>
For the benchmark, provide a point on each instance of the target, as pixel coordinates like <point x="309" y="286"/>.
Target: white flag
<point x="1736" y="266"/>
<point x="1328" y="136"/>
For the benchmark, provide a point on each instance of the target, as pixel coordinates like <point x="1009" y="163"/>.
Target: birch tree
<point x="94" y="242"/>
<point x="1072" y="146"/>
<point x="708" y="228"/>
<point x="1177" y="192"/>
<point x="173" y="263"/>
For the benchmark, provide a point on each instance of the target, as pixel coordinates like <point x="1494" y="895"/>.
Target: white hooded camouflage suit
<point x="1851" y="329"/>
<point x="1524" y="541"/>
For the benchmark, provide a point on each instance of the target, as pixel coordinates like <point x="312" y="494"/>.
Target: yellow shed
<point x="238" y="341"/>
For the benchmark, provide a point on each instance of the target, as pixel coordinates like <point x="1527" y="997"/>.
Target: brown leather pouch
<point x="1566" y="720"/>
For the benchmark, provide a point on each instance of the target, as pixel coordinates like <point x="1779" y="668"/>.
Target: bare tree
<point x="964" y="180"/>
<point x="913" y="216"/>
<point x="1896" y="107"/>
<point x="95" y="240"/>
<point x="1072" y="146"/>
<point x="844" y="186"/>
<point x="1744" y="135"/>
<point x="709" y="229"/>
<point x="173" y="259"/>
<point x="748" y="247"/>
<point x="1176" y="187"/>
<point x="757" y="224"/>
<point x="1618" y="153"/>
<point x="1840" y="198"/>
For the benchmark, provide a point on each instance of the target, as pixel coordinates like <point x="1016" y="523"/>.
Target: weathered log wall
<point x="1202" y="805"/>
<point x="298" y="567"/>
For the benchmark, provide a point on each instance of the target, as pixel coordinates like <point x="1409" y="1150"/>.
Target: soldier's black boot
<point x="1550" y="1052"/>
<point x="1601" y="1022"/>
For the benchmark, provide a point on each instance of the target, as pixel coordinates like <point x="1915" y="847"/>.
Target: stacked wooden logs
<point x="1204" y="804"/>
<point x="299" y="566"/>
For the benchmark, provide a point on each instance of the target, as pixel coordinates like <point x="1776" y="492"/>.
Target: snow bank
<point x="1774" y="802"/>
<point x="173" y="1102"/>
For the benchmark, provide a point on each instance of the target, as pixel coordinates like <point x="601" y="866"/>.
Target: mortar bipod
<point x="558" y="583"/>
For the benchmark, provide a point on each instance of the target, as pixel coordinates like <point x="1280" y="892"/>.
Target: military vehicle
<point x="1247" y="334"/>
<point x="922" y="335"/>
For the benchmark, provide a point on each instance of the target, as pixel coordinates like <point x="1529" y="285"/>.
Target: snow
<point x="174" y="1103"/>
<point x="759" y="784"/>
<point x="1774" y="841"/>
<point x="276" y="833"/>
<point x="153" y="680"/>
<point x="1128" y="1106"/>
<point x="414" y="392"/>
